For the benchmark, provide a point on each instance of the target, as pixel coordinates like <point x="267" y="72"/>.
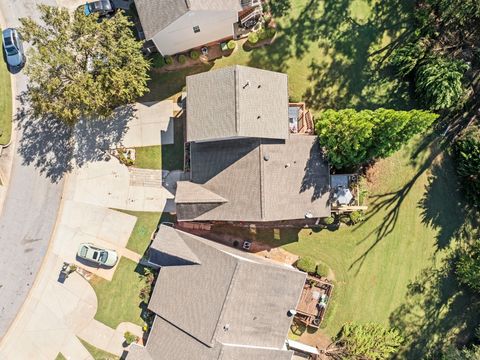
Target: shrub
<point x="182" y="59"/>
<point x="232" y="44"/>
<point x="329" y="220"/>
<point x="130" y="338"/>
<point x="262" y="34"/>
<point x="267" y="18"/>
<point x="253" y="38"/>
<point x="194" y="55"/>
<point x="270" y="32"/>
<point x="306" y="264"/>
<point x="322" y="269"/>
<point x="168" y="60"/>
<point x="356" y="216"/>
<point x="158" y="61"/>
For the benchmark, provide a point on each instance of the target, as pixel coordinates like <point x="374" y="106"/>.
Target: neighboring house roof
<point x="260" y="179"/>
<point x="231" y="306"/>
<point x="156" y="15"/>
<point x="237" y="101"/>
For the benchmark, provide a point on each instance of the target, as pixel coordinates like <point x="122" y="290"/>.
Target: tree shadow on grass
<point x="442" y="205"/>
<point x="437" y="313"/>
<point x="55" y="148"/>
<point x="390" y="202"/>
<point x="357" y="75"/>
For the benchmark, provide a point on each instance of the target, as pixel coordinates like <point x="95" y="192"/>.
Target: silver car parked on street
<point x="12" y="45"/>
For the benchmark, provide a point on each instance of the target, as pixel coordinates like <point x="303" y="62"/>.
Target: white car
<point x="97" y="255"/>
<point x="12" y="44"/>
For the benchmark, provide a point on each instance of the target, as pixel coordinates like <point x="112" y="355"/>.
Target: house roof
<point x="228" y="299"/>
<point x="237" y="101"/>
<point x="157" y="15"/>
<point x="260" y="179"/>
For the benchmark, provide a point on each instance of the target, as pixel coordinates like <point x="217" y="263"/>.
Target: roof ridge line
<point x="227" y="297"/>
<point x="262" y="184"/>
<point x="236" y="85"/>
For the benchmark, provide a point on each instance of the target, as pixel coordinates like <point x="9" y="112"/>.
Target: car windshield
<point x="9" y="48"/>
<point x="103" y="256"/>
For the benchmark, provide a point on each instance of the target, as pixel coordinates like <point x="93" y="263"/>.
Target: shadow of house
<point x="244" y="165"/>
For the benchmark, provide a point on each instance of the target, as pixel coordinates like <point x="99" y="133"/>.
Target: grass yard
<point x="118" y="300"/>
<point x="97" y="354"/>
<point x="328" y="49"/>
<point x="144" y="227"/>
<point x="5" y="104"/>
<point x="380" y="264"/>
<point x="165" y="157"/>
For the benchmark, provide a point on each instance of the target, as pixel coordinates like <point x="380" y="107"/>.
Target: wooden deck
<point x="314" y="301"/>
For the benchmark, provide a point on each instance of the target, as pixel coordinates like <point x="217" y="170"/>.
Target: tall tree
<point x="365" y="342"/>
<point x="468" y="266"/>
<point x="466" y="151"/>
<point x="354" y="137"/>
<point x="79" y="66"/>
<point x="439" y="82"/>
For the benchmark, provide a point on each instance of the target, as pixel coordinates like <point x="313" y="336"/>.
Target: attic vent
<point x="266" y="157"/>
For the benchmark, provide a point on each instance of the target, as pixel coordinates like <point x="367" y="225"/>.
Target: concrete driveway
<point x="55" y="315"/>
<point x="103" y="227"/>
<point x="113" y="185"/>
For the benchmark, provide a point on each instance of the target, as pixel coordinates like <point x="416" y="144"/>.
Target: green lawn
<point x="328" y="50"/>
<point x="144" y="227"/>
<point x="5" y="104"/>
<point x="414" y="212"/>
<point x="118" y="300"/>
<point x="165" y="157"/>
<point x="97" y="354"/>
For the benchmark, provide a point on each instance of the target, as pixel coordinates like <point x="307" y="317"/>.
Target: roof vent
<point x="287" y="165"/>
<point x="266" y="157"/>
<point x="246" y="84"/>
<point x="226" y="327"/>
<point x="259" y="86"/>
<point x="308" y="215"/>
<point x="291" y="312"/>
<point x="259" y="117"/>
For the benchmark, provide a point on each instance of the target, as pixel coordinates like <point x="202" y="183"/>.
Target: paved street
<point x="30" y="207"/>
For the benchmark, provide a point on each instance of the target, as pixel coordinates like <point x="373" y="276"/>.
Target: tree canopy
<point x="365" y="341"/>
<point x="468" y="267"/>
<point x="79" y="66"/>
<point x="466" y="151"/>
<point x="439" y="82"/>
<point x="353" y="137"/>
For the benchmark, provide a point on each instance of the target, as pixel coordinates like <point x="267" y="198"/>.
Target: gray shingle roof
<point x="237" y="101"/>
<point x="156" y="15"/>
<point x="195" y="304"/>
<point x="292" y="183"/>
